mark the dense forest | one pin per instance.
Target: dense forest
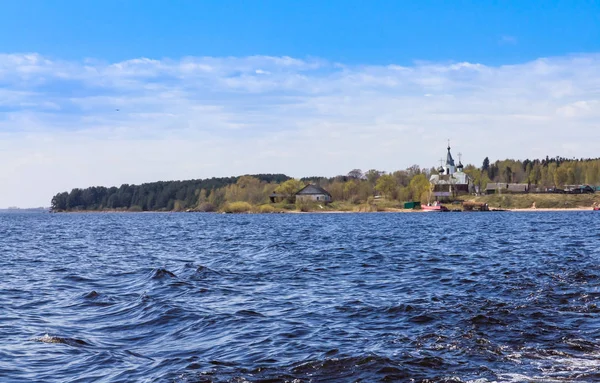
(356, 187)
(155, 196)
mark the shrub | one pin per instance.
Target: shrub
(206, 207)
(266, 209)
(237, 207)
(307, 206)
(366, 208)
(136, 208)
(341, 206)
(353, 199)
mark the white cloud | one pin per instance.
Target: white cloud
(200, 117)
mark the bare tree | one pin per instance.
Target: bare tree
(356, 174)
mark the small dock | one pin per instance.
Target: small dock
(475, 206)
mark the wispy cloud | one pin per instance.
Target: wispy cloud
(66, 124)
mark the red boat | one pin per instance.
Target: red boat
(436, 206)
(597, 208)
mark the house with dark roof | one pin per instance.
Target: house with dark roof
(313, 193)
(277, 197)
(579, 189)
(518, 188)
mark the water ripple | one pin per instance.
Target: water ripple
(503, 297)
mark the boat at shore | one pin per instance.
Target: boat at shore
(436, 206)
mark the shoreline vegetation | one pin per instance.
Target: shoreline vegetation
(371, 191)
(517, 202)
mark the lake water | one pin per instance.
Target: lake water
(436, 297)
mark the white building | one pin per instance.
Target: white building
(451, 180)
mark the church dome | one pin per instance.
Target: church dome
(449, 159)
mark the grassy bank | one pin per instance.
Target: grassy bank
(542, 201)
(314, 207)
(504, 201)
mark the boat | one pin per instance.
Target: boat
(436, 206)
(596, 208)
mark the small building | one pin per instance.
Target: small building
(493, 188)
(313, 193)
(275, 197)
(579, 189)
(475, 206)
(518, 188)
(500, 187)
(412, 205)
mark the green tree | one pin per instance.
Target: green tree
(535, 176)
(373, 175)
(561, 176)
(289, 189)
(483, 181)
(386, 184)
(419, 188)
(201, 197)
(591, 172)
(402, 177)
(550, 175)
(571, 176)
(248, 181)
(336, 189)
(74, 200)
(507, 173)
(350, 190)
(486, 164)
(528, 170)
(59, 201)
(413, 171)
(178, 205)
(216, 198)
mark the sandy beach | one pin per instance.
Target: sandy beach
(555, 209)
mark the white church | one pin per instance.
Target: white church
(450, 180)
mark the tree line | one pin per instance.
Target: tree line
(356, 187)
(555, 172)
(154, 196)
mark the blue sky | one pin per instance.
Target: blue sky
(374, 32)
(111, 92)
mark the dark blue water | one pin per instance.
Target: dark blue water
(481, 297)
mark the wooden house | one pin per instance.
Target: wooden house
(313, 193)
(500, 187)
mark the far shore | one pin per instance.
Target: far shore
(492, 210)
(388, 210)
(554, 209)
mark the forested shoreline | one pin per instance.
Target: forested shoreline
(153, 196)
(251, 192)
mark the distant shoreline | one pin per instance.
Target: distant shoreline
(32, 210)
(402, 211)
(495, 202)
